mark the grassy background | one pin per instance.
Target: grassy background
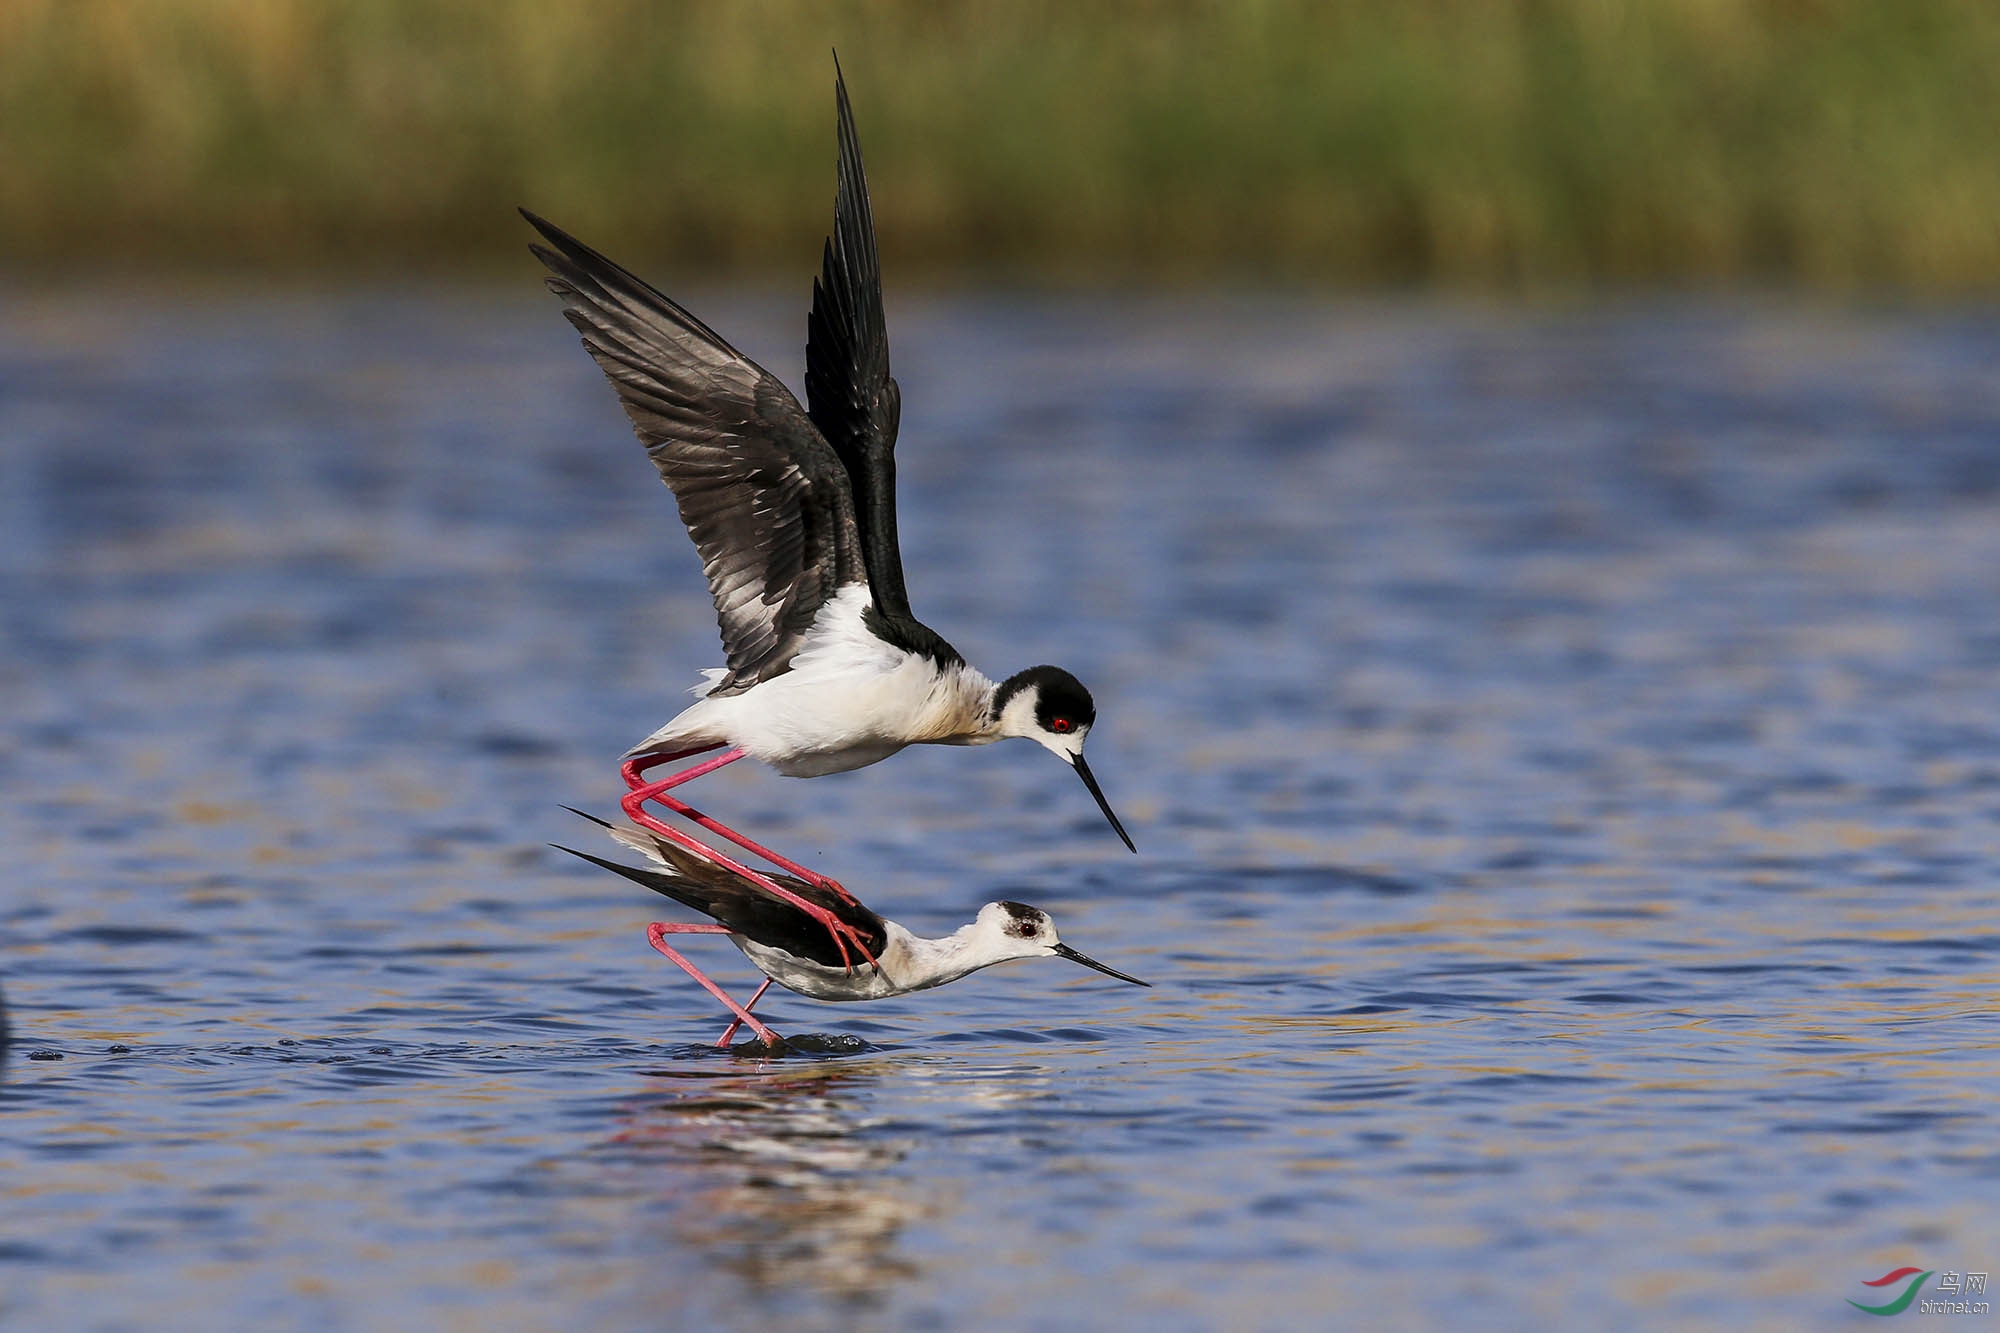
(1829, 143)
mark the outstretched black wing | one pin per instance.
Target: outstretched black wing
(747, 910)
(853, 399)
(765, 499)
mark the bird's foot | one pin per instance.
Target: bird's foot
(832, 886)
(764, 1034)
(848, 940)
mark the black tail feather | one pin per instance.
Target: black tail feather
(684, 864)
(724, 896)
(660, 882)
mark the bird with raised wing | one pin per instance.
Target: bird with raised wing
(789, 946)
(793, 512)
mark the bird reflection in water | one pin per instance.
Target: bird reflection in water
(793, 1189)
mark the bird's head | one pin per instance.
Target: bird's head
(1016, 930)
(1050, 707)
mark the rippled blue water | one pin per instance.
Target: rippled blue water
(1563, 749)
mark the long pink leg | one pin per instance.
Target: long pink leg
(748, 1005)
(843, 934)
(643, 791)
(655, 934)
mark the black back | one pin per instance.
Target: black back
(749, 911)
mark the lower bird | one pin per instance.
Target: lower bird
(792, 948)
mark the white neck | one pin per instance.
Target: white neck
(933, 962)
(966, 707)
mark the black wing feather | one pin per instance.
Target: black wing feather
(747, 910)
(765, 499)
(852, 397)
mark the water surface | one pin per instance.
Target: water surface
(1562, 747)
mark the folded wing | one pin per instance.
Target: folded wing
(743, 907)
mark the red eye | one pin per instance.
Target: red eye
(1059, 725)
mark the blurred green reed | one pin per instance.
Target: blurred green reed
(1834, 143)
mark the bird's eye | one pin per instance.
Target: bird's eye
(1060, 725)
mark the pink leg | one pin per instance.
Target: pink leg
(643, 791)
(845, 937)
(736, 1023)
(655, 934)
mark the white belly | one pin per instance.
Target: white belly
(850, 700)
(818, 763)
(817, 982)
(898, 971)
(811, 721)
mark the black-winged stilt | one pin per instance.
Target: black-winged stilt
(790, 947)
(794, 514)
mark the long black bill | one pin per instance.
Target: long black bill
(1083, 771)
(1064, 951)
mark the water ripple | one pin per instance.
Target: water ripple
(1559, 743)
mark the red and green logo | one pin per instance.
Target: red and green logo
(1902, 1302)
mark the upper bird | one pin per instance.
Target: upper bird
(794, 514)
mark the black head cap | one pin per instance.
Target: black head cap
(1023, 921)
(1057, 695)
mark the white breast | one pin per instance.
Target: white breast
(848, 701)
